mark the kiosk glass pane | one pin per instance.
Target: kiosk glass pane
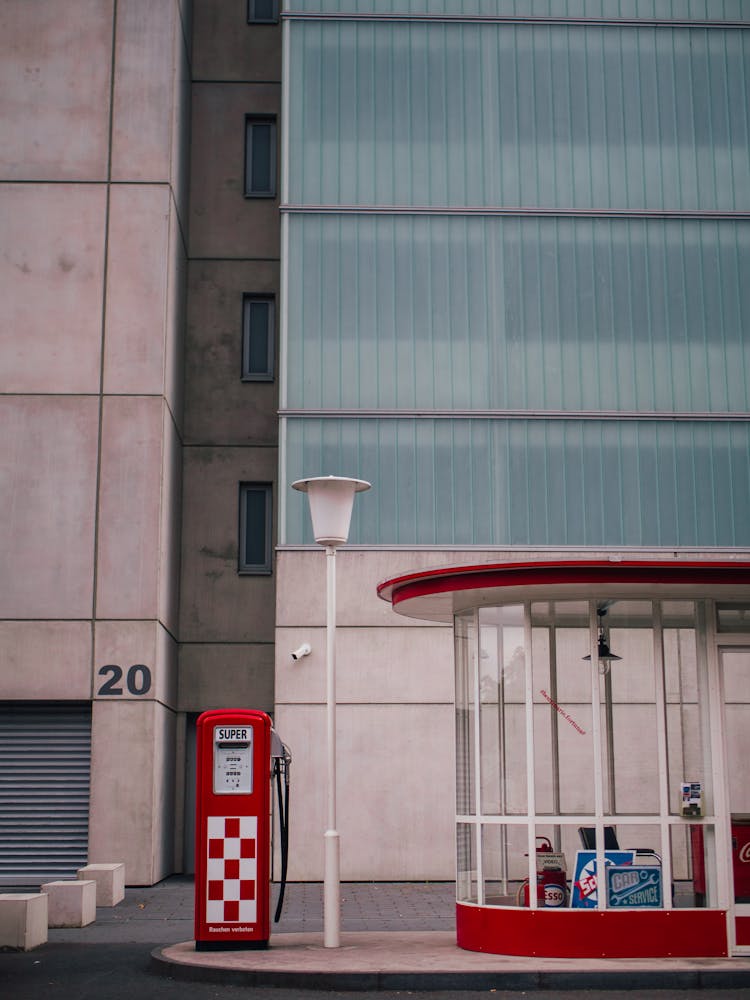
(733, 617)
(564, 768)
(694, 857)
(735, 667)
(502, 687)
(627, 695)
(685, 701)
(505, 863)
(466, 863)
(639, 884)
(688, 866)
(465, 658)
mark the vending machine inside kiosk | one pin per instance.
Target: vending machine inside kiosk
(238, 757)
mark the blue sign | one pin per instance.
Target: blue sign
(634, 885)
(584, 893)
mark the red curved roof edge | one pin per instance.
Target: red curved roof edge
(455, 578)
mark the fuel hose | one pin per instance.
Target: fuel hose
(282, 763)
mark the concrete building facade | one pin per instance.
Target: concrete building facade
(489, 258)
(93, 184)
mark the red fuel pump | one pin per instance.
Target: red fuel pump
(551, 877)
(238, 755)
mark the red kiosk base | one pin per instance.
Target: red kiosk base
(592, 933)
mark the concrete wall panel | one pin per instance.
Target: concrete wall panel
(45, 660)
(373, 665)
(122, 778)
(51, 285)
(147, 60)
(129, 509)
(55, 89)
(217, 604)
(220, 407)
(137, 289)
(395, 718)
(131, 770)
(396, 790)
(123, 644)
(47, 495)
(128, 644)
(358, 574)
(224, 675)
(223, 223)
(227, 48)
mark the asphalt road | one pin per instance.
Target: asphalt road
(65, 971)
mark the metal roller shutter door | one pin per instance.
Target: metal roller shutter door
(45, 767)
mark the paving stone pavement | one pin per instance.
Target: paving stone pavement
(164, 913)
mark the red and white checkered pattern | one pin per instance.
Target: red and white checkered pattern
(232, 869)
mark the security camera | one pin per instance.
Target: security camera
(304, 650)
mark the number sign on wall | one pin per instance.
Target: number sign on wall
(136, 680)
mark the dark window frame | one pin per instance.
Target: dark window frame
(267, 374)
(251, 188)
(244, 566)
(253, 18)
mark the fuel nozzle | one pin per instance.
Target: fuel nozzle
(280, 756)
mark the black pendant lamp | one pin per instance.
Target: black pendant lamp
(604, 654)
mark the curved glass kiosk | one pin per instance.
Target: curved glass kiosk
(602, 734)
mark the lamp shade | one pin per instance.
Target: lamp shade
(331, 501)
(603, 651)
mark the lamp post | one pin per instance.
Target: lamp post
(331, 500)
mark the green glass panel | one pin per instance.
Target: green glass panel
(529, 483)
(518, 115)
(404, 312)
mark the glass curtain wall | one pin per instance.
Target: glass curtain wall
(564, 747)
(515, 240)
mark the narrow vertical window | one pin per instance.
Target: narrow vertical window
(262, 11)
(260, 157)
(255, 528)
(258, 325)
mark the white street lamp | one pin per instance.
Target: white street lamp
(331, 500)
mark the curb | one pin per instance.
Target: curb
(515, 980)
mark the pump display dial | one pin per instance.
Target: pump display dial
(233, 760)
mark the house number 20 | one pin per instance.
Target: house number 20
(137, 679)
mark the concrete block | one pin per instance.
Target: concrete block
(71, 903)
(110, 882)
(23, 920)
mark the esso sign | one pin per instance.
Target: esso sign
(554, 895)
